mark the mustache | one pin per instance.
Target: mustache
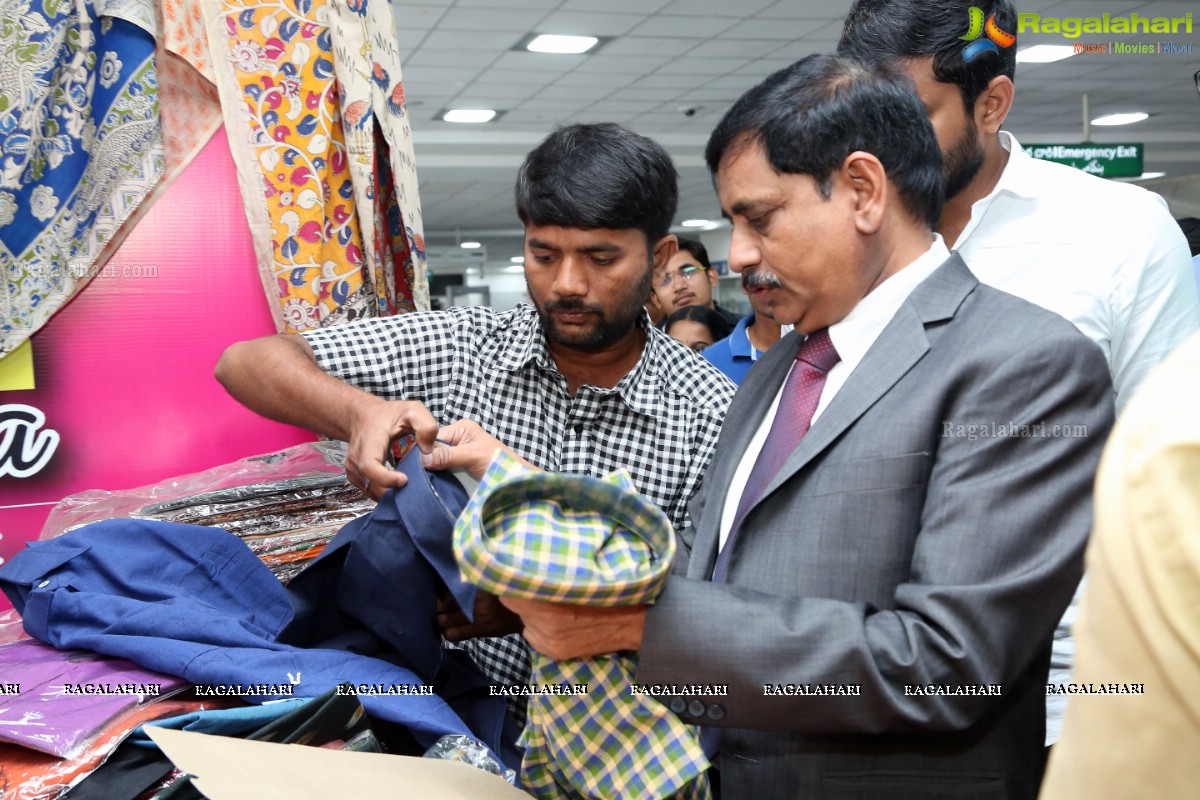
(573, 305)
(760, 280)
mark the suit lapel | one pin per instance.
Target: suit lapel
(749, 407)
(899, 347)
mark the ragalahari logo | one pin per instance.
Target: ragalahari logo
(977, 28)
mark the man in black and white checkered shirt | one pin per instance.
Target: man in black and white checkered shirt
(577, 381)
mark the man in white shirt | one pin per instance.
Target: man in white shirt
(885, 538)
(1107, 256)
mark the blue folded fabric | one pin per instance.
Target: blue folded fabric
(218, 721)
(195, 602)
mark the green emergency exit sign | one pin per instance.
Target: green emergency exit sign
(1105, 160)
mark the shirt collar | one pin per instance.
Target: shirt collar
(528, 347)
(640, 386)
(1016, 179)
(853, 336)
(739, 340)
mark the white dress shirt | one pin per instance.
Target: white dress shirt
(852, 337)
(1105, 255)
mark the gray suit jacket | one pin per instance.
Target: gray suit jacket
(913, 540)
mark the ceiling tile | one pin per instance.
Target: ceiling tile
(613, 80)
(552, 64)
(620, 105)
(502, 93)
(658, 96)
(684, 27)
(617, 6)
(716, 8)
(790, 9)
(495, 74)
(486, 19)
(416, 74)
(696, 67)
(421, 17)
(660, 81)
(734, 48)
(763, 67)
(794, 51)
(647, 45)
(546, 5)
(773, 29)
(567, 93)
(624, 65)
(449, 58)
(471, 41)
(582, 23)
(407, 41)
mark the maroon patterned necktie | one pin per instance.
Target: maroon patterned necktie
(801, 393)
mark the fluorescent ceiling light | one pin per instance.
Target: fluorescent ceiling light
(1044, 53)
(553, 43)
(514, 268)
(694, 223)
(1121, 119)
(470, 245)
(471, 115)
(517, 259)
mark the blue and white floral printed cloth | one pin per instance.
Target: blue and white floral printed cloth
(80, 145)
(586, 541)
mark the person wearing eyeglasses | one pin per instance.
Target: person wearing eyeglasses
(688, 280)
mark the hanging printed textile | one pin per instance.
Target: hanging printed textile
(80, 145)
(313, 100)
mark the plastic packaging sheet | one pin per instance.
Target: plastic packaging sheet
(285, 505)
(456, 747)
(58, 705)
(11, 627)
(296, 476)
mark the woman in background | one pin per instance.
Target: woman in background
(697, 327)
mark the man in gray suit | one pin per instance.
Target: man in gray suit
(878, 607)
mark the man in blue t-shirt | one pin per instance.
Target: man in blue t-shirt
(736, 353)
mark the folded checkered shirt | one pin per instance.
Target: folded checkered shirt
(585, 541)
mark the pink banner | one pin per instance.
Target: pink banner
(125, 395)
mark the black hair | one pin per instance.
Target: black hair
(1191, 229)
(810, 116)
(598, 176)
(717, 325)
(697, 251)
(891, 31)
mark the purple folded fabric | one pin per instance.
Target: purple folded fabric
(53, 701)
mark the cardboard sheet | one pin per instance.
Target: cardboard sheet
(239, 769)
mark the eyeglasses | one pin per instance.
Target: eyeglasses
(685, 273)
(1196, 78)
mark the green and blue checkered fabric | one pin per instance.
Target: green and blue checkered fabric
(584, 541)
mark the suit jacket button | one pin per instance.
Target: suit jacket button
(696, 708)
(716, 712)
(677, 705)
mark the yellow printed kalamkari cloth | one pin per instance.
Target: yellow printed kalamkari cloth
(314, 104)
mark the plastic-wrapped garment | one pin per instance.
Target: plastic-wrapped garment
(27, 775)
(272, 478)
(58, 707)
(285, 505)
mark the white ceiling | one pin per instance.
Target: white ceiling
(664, 55)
